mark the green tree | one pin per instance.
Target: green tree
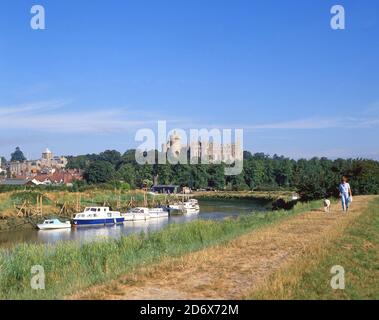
(216, 177)
(111, 156)
(164, 174)
(127, 173)
(99, 172)
(79, 162)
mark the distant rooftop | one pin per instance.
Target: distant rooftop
(14, 182)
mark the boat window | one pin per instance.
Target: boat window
(98, 209)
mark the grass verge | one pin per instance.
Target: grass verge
(70, 266)
(355, 249)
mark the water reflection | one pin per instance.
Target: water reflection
(210, 210)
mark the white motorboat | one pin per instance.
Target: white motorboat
(158, 213)
(51, 224)
(137, 214)
(191, 207)
(97, 216)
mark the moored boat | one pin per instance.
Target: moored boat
(191, 207)
(52, 224)
(158, 213)
(97, 216)
(137, 214)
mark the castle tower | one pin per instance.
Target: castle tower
(175, 144)
(47, 155)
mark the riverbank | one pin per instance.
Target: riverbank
(245, 195)
(272, 200)
(70, 267)
(21, 209)
(241, 267)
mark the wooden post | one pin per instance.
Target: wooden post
(78, 202)
(41, 205)
(118, 205)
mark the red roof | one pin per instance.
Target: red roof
(59, 177)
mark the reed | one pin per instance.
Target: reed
(71, 266)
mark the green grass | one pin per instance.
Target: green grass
(357, 251)
(70, 266)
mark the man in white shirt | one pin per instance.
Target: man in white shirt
(345, 194)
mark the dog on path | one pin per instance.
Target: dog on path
(326, 205)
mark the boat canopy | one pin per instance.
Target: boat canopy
(96, 209)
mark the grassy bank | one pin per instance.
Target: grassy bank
(356, 250)
(245, 195)
(70, 266)
(16, 207)
(63, 204)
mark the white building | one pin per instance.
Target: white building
(48, 163)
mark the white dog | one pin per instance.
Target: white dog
(326, 205)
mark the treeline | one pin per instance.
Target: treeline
(313, 179)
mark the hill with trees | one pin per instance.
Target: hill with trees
(313, 178)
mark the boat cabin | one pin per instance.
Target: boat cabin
(52, 221)
(96, 209)
(97, 212)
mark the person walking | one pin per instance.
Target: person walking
(345, 194)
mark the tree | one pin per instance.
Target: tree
(18, 155)
(99, 172)
(79, 162)
(313, 179)
(127, 173)
(164, 173)
(111, 156)
(216, 177)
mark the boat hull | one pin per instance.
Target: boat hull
(159, 215)
(101, 221)
(47, 227)
(136, 217)
(191, 211)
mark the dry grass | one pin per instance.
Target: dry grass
(235, 269)
(294, 279)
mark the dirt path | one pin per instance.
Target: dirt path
(230, 271)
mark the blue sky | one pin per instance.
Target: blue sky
(104, 69)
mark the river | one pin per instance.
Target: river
(209, 210)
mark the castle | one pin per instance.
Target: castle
(211, 151)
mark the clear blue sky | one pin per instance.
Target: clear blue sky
(103, 69)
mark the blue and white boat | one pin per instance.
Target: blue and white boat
(97, 216)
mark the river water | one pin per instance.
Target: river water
(209, 210)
